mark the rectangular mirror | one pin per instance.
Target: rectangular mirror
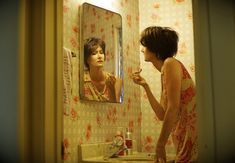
(101, 58)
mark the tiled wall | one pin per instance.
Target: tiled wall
(176, 14)
(85, 122)
(97, 122)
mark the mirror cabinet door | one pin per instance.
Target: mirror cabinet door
(101, 58)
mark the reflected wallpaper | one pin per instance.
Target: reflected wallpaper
(89, 122)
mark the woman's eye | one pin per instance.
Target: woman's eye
(95, 53)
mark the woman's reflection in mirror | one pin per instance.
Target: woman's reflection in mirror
(99, 85)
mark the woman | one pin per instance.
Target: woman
(177, 106)
(98, 84)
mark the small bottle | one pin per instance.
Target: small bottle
(128, 142)
(120, 136)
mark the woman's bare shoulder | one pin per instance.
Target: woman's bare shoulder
(171, 63)
(171, 60)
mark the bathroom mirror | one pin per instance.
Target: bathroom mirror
(101, 69)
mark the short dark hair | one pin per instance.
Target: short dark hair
(162, 41)
(90, 45)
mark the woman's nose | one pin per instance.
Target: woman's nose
(100, 55)
(142, 49)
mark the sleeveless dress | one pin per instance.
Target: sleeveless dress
(184, 133)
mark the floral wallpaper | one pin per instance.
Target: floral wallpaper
(90, 122)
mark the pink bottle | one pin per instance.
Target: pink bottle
(129, 142)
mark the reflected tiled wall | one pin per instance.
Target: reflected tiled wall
(97, 122)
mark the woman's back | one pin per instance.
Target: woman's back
(184, 133)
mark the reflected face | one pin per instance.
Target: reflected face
(96, 59)
(148, 55)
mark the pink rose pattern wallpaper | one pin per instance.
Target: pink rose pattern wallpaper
(89, 122)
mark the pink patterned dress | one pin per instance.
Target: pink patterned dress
(184, 133)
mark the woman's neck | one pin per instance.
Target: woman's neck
(157, 63)
(97, 74)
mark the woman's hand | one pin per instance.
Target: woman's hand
(110, 81)
(160, 154)
(137, 78)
